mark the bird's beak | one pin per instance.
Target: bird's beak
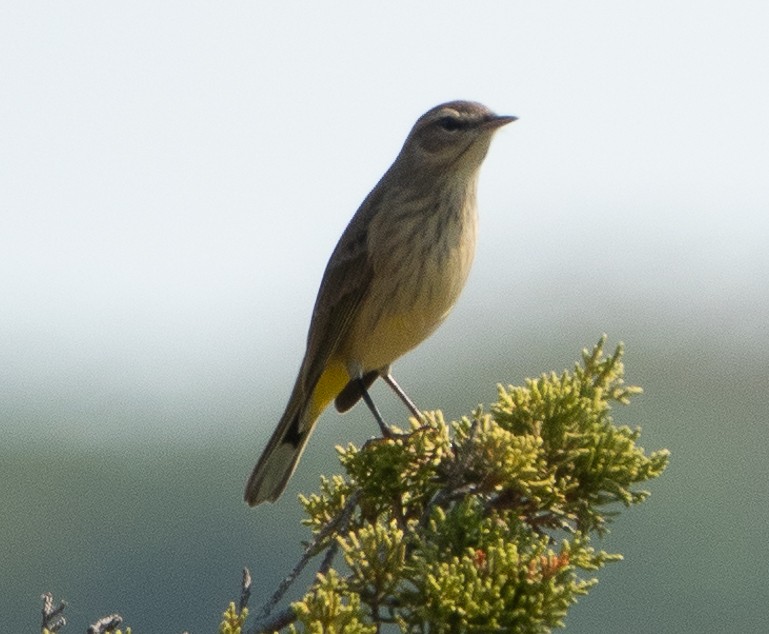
(497, 121)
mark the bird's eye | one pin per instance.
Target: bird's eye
(450, 124)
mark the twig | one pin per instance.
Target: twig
(453, 481)
(106, 624)
(278, 621)
(245, 590)
(337, 524)
(329, 558)
(53, 621)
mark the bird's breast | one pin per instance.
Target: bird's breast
(421, 257)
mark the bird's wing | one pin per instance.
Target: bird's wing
(345, 283)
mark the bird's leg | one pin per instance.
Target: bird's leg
(386, 431)
(390, 380)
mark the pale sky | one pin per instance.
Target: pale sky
(174, 176)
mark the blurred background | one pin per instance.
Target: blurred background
(173, 178)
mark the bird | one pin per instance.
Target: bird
(391, 280)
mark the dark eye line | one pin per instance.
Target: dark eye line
(451, 124)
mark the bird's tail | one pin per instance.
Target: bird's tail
(279, 459)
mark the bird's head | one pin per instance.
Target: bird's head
(453, 135)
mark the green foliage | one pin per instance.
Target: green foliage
(590, 461)
(479, 525)
(331, 608)
(484, 524)
(233, 620)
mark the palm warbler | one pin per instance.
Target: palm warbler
(392, 279)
